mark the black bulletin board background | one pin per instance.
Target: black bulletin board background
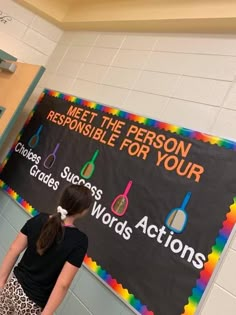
(157, 276)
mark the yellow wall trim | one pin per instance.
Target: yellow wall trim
(139, 15)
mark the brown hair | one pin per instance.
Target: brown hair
(75, 199)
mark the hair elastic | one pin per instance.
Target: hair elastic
(63, 212)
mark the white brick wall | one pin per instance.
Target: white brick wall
(28, 37)
(188, 80)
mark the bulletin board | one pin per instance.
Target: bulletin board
(164, 200)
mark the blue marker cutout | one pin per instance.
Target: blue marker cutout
(177, 218)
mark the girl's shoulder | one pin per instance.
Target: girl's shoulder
(39, 218)
(34, 224)
(76, 235)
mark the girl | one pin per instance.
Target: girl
(55, 250)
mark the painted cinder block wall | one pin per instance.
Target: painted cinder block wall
(182, 79)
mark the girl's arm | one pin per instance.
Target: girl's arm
(19, 244)
(60, 289)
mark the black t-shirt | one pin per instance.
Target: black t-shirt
(38, 274)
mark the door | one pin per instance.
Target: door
(15, 90)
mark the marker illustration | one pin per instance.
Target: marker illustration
(120, 203)
(89, 167)
(34, 140)
(177, 218)
(49, 161)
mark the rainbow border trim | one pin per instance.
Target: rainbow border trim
(27, 207)
(221, 239)
(213, 258)
(117, 287)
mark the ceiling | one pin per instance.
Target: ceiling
(202, 16)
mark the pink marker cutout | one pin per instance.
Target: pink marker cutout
(120, 203)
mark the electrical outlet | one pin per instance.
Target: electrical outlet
(7, 66)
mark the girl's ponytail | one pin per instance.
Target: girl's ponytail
(50, 232)
(75, 199)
